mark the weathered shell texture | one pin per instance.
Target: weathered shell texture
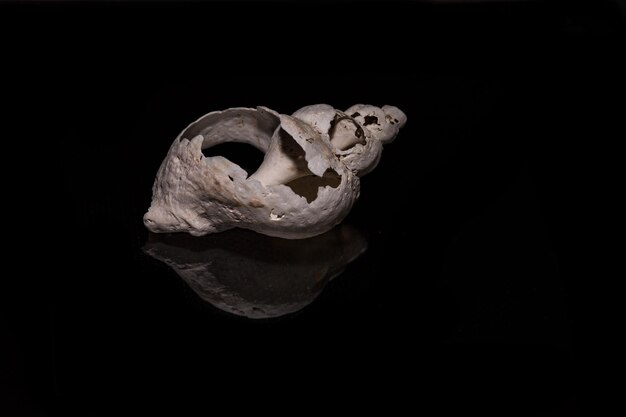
(306, 184)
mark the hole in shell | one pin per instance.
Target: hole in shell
(246, 156)
(345, 132)
(370, 120)
(309, 187)
(275, 217)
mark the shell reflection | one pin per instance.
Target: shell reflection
(256, 276)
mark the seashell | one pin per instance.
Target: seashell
(307, 183)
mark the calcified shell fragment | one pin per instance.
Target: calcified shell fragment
(307, 183)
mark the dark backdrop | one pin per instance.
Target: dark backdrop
(464, 298)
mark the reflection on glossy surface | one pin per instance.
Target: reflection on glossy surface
(256, 276)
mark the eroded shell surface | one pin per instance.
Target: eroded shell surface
(307, 183)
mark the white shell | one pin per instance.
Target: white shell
(319, 152)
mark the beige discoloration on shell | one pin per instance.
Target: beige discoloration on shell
(202, 195)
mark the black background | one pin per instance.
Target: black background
(464, 299)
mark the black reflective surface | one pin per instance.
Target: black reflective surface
(256, 276)
(462, 301)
